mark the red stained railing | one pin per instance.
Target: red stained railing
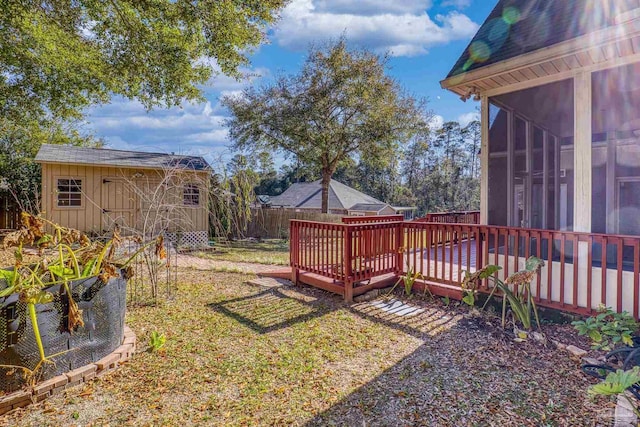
(467, 217)
(9, 214)
(582, 270)
(371, 219)
(319, 248)
(346, 253)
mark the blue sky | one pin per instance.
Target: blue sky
(424, 37)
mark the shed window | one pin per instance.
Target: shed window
(191, 195)
(69, 192)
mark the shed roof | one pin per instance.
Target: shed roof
(50, 153)
(517, 27)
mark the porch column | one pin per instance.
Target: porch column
(582, 181)
(582, 153)
(484, 160)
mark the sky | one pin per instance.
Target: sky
(423, 37)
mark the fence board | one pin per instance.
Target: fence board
(274, 223)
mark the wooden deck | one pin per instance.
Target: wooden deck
(581, 271)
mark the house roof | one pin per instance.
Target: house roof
(369, 207)
(517, 27)
(128, 159)
(309, 196)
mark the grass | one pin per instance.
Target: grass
(272, 252)
(237, 354)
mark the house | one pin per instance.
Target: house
(92, 189)
(559, 87)
(343, 200)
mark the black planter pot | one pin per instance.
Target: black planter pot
(103, 307)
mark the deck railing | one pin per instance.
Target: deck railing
(466, 217)
(582, 270)
(371, 219)
(346, 253)
(9, 214)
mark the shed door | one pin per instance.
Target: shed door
(118, 204)
(153, 205)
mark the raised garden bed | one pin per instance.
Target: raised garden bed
(103, 308)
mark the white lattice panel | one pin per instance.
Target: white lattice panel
(189, 239)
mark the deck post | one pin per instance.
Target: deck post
(347, 267)
(400, 249)
(348, 290)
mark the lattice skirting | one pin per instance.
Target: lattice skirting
(189, 239)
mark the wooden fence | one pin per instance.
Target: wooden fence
(9, 214)
(581, 271)
(274, 223)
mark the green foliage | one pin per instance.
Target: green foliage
(471, 282)
(340, 104)
(157, 341)
(442, 174)
(408, 280)
(515, 290)
(608, 328)
(469, 298)
(617, 383)
(59, 57)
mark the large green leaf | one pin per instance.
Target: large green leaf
(595, 335)
(489, 271)
(533, 263)
(61, 272)
(616, 382)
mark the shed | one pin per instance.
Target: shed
(92, 189)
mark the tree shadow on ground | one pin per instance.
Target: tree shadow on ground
(273, 309)
(466, 371)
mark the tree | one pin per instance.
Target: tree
(59, 57)
(340, 104)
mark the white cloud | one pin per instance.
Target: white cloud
(222, 82)
(436, 122)
(370, 7)
(458, 4)
(192, 129)
(403, 29)
(467, 118)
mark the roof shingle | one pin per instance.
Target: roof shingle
(50, 153)
(309, 196)
(516, 27)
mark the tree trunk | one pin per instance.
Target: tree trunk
(326, 180)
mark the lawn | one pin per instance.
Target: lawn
(238, 354)
(271, 252)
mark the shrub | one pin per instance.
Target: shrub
(608, 329)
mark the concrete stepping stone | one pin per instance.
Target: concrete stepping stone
(398, 308)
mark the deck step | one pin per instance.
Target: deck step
(269, 282)
(440, 289)
(281, 273)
